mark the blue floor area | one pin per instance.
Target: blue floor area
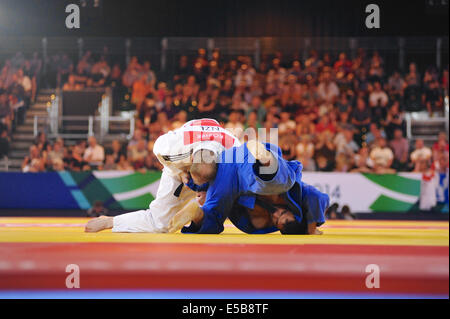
(199, 294)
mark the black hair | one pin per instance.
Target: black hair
(295, 228)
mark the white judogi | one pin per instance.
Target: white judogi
(174, 150)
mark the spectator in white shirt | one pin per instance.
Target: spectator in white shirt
(378, 97)
(328, 89)
(382, 157)
(421, 152)
(94, 154)
(286, 125)
(234, 125)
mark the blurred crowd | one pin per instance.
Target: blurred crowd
(90, 155)
(19, 77)
(332, 113)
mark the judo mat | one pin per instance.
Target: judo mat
(411, 259)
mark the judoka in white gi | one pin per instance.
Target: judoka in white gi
(174, 150)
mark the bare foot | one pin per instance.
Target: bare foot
(98, 224)
(259, 152)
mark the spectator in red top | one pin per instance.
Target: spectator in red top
(325, 125)
(343, 63)
(441, 145)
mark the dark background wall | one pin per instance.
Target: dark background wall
(225, 17)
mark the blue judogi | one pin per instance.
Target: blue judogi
(238, 181)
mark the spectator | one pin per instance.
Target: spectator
(327, 89)
(432, 98)
(41, 141)
(179, 120)
(324, 153)
(325, 124)
(116, 150)
(34, 162)
(253, 123)
(396, 85)
(57, 153)
(413, 77)
(6, 113)
(132, 73)
(97, 210)
(343, 104)
(287, 147)
(345, 144)
(420, 153)
(382, 158)
(141, 88)
(361, 118)
(400, 146)
(362, 161)
(4, 143)
(442, 171)
(305, 153)
(331, 213)
(428, 186)
(346, 213)
(286, 125)
(234, 125)
(71, 84)
(94, 155)
(182, 71)
(256, 105)
(124, 164)
(343, 63)
(138, 153)
(378, 101)
(394, 120)
(374, 133)
(110, 161)
(441, 145)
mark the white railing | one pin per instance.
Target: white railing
(411, 117)
(96, 125)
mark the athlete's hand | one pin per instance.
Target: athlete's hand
(259, 152)
(185, 177)
(318, 232)
(201, 197)
(313, 230)
(98, 224)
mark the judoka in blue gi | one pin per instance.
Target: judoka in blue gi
(258, 190)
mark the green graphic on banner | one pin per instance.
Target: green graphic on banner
(400, 193)
(396, 183)
(388, 204)
(116, 189)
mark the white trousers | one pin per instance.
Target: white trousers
(156, 218)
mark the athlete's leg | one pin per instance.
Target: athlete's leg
(315, 203)
(156, 219)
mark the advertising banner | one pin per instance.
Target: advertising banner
(129, 190)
